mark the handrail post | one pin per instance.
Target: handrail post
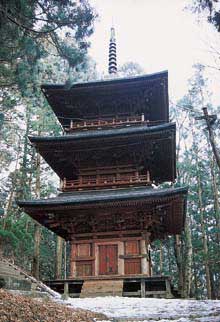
(148, 176)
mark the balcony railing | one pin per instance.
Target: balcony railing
(100, 123)
(105, 182)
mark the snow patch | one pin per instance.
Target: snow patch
(150, 309)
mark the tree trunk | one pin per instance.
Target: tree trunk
(24, 168)
(8, 207)
(179, 262)
(161, 258)
(216, 201)
(204, 236)
(211, 136)
(36, 257)
(196, 289)
(188, 260)
(213, 288)
(37, 233)
(59, 256)
(169, 256)
(12, 191)
(29, 182)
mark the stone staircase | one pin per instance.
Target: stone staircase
(15, 279)
(96, 288)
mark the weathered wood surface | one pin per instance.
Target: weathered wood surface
(102, 288)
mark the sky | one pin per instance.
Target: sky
(159, 35)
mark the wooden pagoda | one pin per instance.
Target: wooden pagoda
(118, 146)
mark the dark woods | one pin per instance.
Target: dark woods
(46, 42)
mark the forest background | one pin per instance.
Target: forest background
(46, 41)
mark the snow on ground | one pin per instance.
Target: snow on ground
(151, 310)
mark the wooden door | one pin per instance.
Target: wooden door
(108, 259)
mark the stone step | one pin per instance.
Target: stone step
(14, 283)
(102, 288)
(15, 278)
(18, 277)
(9, 271)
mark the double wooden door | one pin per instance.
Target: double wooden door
(108, 259)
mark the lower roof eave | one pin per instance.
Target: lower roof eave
(61, 213)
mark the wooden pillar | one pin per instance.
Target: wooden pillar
(92, 253)
(96, 254)
(121, 251)
(144, 260)
(143, 289)
(73, 250)
(66, 291)
(151, 272)
(168, 289)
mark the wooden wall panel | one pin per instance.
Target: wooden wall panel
(132, 247)
(83, 268)
(133, 266)
(73, 252)
(83, 250)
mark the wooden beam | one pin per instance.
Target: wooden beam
(97, 240)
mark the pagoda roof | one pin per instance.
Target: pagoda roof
(93, 134)
(80, 198)
(60, 214)
(155, 145)
(106, 82)
(147, 94)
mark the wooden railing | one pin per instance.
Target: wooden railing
(101, 182)
(114, 122)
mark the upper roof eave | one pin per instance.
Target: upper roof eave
(97, 83)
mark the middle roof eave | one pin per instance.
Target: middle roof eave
(66, 154)
(93, 134)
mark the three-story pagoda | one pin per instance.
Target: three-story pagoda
(118, 147)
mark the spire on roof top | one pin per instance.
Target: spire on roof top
(112, 64)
